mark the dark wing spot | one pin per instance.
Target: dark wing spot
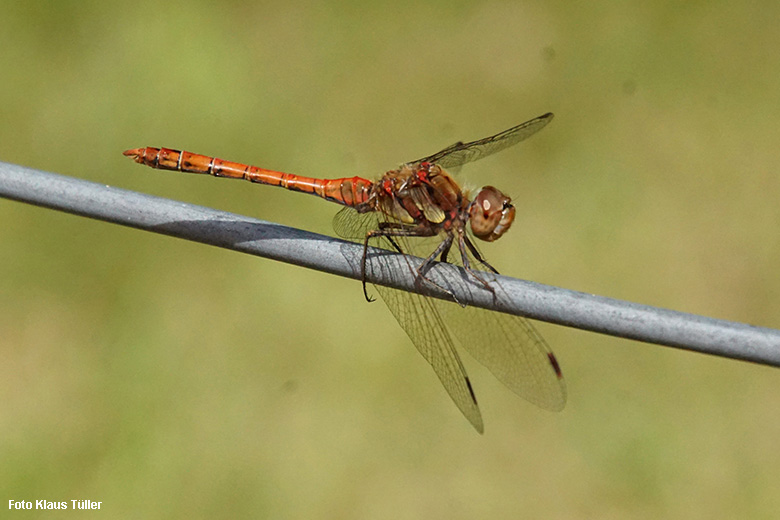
(471, 390)
(555, 365)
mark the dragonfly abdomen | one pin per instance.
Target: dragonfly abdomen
(350, 191)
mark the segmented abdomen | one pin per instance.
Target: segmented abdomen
(349, 191)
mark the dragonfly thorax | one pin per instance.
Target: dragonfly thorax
(491, 213)
(420, 194)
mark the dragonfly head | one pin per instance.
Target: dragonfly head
(490, 214)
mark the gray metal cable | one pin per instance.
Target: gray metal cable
(328, 254)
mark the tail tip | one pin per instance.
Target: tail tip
(136, 154)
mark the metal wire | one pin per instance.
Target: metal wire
(328, 254)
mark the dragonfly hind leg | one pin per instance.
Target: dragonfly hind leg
(387, 230)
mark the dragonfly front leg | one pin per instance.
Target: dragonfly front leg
(463, 244)
(474, 251)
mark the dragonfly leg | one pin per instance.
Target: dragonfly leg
(389, 230)
(477, 254)
(393, 243)
(446, 252)
(463, 244)
(441, 250)
(369, 235)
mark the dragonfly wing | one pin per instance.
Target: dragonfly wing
(461, 153)
(511, 348)
(351, 225)
(417, 315)
(421, 321)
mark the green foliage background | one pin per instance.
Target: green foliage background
(168, 379)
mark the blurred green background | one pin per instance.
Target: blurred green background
(165, 378)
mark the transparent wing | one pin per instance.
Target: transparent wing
(417, 315)
(421, 321)
(351, 225)
(461, 153)
(512, 349)
(509, 346)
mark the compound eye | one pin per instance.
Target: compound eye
(490, 214)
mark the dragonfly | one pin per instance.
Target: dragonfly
(420, 209)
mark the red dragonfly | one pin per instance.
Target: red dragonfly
(417, 200)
